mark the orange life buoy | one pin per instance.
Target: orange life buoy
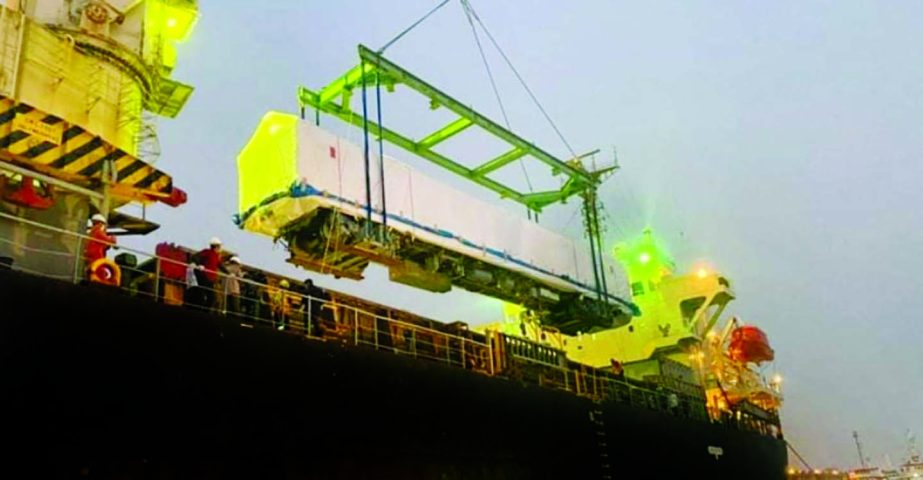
(106, 272)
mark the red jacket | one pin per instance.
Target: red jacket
(99, 245)
(210, 259)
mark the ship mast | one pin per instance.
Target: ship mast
(855, 435)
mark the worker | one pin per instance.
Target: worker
(209, 261)
(254, 297)
(315, 319)
(193, 295)
(285, 303)
(617, 369)
(100, 240)
(279, 305)
(232, 285)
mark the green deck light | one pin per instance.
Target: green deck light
(644, 258)
(170, 21)
(167, 23)
(179, 18)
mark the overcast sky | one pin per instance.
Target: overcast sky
(779, 141)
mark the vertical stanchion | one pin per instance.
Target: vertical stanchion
(490, 353)
(448, 348)
(157, 279)
(309, 317)
(77, 257)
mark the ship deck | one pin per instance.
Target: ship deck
(118, 386)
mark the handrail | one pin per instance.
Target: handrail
(440, 339)
(473, 352)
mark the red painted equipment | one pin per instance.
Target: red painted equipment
(27, 196)
(172, 261)
(749, 344)
(177, 197)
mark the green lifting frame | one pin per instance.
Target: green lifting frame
(374, 69)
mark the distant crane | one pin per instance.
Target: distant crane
(855, 435)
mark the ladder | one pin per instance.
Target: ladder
(11, 25)
(602, 443)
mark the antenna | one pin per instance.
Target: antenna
(855, 435)
(912, 454)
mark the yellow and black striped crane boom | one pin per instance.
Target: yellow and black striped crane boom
(48, 144)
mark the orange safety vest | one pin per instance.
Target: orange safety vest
(99, 243)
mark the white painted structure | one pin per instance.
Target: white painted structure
(328, 172)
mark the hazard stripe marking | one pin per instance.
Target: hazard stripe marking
(134, 167)
(76, 154)
(79, 152)
(71, 133)
(98, 165)
(149, 180)
(9, 115)
(12, 138)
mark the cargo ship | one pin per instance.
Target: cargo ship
(161, 365)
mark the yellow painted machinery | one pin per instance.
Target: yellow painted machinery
(679, 340)
(77, 81)
(80, 84)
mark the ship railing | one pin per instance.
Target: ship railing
(53, 252)
(600, 385)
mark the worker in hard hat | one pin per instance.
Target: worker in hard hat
(317, 319)
(209, 261)
(100, 241)
(232, 284)
(284, 303)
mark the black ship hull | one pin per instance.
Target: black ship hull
(97, 384)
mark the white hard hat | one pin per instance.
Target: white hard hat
(235, 259)
(214, 241)
(98, 218)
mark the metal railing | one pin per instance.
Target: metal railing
(256, 304)
(341, 320)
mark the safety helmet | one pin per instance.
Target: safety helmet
(98, 217)
(235, 259)
(214, 241)
(284, 284)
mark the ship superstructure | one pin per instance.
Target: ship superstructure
(911, 468)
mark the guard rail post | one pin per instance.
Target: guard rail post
(77, 256)
(156, 278)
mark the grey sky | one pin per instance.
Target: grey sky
(780, 141)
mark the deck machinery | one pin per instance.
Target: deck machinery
(681, 338)
(80, 83)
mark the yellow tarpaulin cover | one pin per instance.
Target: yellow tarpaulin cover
(267, 165)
